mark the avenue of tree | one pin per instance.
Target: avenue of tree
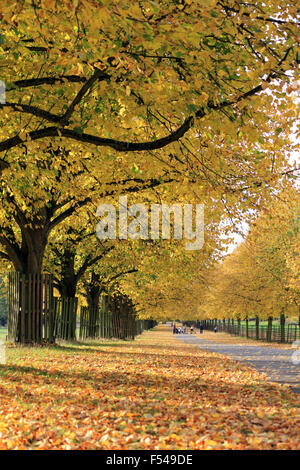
(168, 101)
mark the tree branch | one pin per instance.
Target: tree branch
(123, 146)
(4, 256)
(98, 74)
(67, 213)
(120, 146)
(32, 82)
(33, 110)
(149, 184)
(90, 262)
(134, 270)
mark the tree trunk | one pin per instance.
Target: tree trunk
(68, 279)
(269, 329)
(94, 313)
(282, 328)
(257, 327)
(27, 258)
(28, 262)
(93, 291)
(67, 286)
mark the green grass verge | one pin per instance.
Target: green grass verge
(3, 333)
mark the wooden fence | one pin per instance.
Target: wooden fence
(100, 323)
(113, 319)
(30, 312)
(35, 316)
(89, 322)
(142, 325)
(65, 310)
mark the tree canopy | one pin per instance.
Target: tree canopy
(137, 77)
(259, 278)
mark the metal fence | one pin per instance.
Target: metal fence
(276, 333)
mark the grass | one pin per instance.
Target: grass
(226, 338)
(3, 333)
(265, 322)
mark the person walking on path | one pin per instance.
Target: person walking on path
(192, 329)
(201, 329)
(215, 329)
(174, 329)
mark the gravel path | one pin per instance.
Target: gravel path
(275, 362)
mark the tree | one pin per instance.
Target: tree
(117, 97)
(109, 86)
(112, 87)
(41, 195)
(257, 279)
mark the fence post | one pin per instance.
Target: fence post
(269, 329)
(30, 308)
(239, 326)
(256, 327)
(282, 328)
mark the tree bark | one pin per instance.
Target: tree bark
(257, 327)
(282, 328)
(27, 261)
(93, 292)
(239, 326)
(269, 329)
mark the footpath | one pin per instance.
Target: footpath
(276, 362)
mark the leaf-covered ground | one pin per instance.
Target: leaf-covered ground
(153, 393)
